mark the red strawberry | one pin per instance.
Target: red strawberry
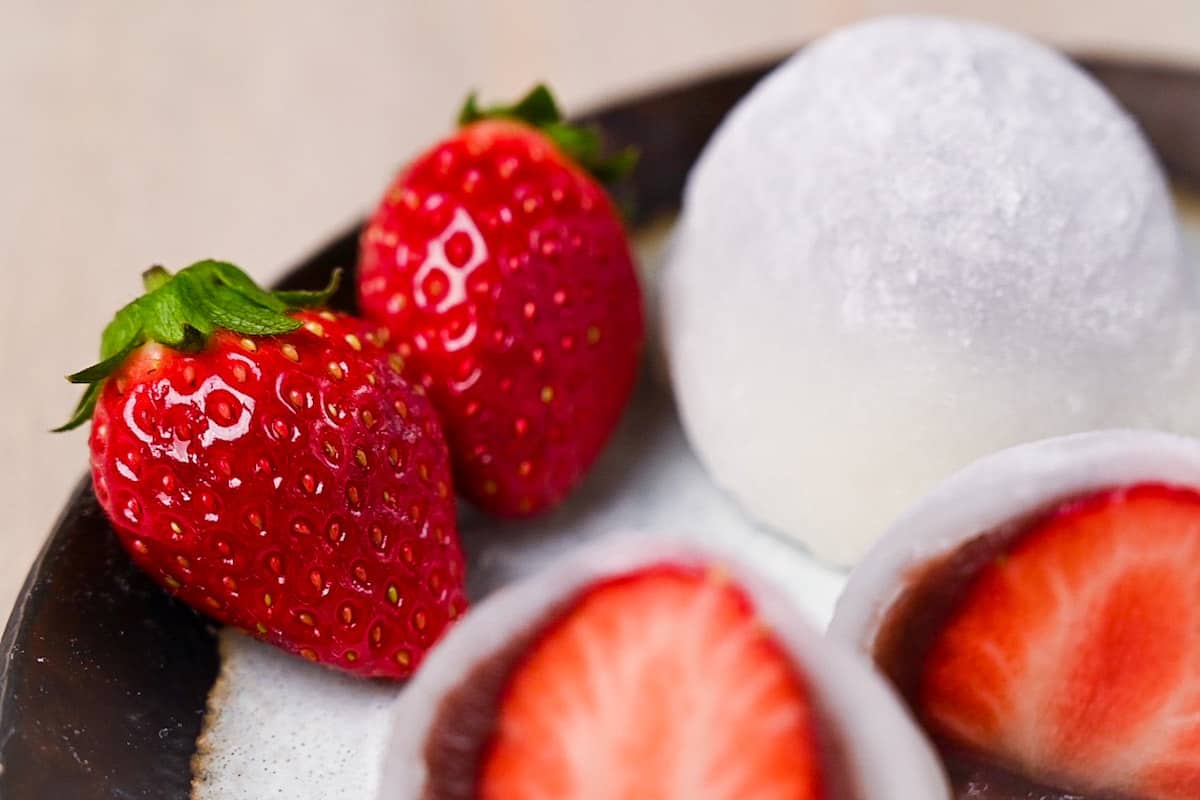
(657, 685)
(504, 275)
(1075, 659)
(272, 469)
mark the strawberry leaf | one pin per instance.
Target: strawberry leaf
(83, 410)
(228, 309)
(182, 311)
(101, 370)
(583, 144)
(123, 333)
(300, 298)
(537, 108)
(227, 274)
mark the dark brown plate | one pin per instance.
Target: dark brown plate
(105, 677)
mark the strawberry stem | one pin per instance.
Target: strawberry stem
(182, 311)
(155, 277)
(582, 144)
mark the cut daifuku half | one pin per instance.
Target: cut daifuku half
(1040, 613)
(657, 671)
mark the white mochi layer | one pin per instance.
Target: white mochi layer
(916, 242)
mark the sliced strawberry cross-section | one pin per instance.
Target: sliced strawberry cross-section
(1073, 658)
(661, 684)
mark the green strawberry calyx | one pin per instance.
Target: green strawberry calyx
(584, 144)
(182, 310)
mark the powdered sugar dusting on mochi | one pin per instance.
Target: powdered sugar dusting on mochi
(916, 242)
(957, 162)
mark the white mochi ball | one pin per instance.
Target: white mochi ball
(916, 242)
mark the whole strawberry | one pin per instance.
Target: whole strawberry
(271, 467)
(503, 272)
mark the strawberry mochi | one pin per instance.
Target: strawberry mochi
(649, 667)
(916, 242)
(1040, 614)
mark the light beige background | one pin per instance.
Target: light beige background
(146, 132)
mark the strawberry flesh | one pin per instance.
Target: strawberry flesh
(659, 685)
(1072, 656)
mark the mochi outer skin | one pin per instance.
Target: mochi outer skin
(916, 242)
(998, 489)
(884, 748)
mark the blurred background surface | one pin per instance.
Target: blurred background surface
(164, 132)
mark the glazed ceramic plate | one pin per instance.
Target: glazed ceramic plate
(105, 679)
